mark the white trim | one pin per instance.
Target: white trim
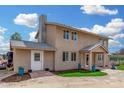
(98, 46)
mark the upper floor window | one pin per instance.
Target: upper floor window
(74, 36)
(66, 34)
(65, 56)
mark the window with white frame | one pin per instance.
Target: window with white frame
(36, 56)
(65, 56)
(74, 36)
(100, 57)
(66, 35)
(73, 56)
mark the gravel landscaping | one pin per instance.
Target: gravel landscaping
(16, 78)
(5, 73)
(114, 79)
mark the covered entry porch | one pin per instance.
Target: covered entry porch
(97, 56)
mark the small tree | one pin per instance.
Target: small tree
(16, 36)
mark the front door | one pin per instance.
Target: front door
(99, 59)
(86, 60)
(36, 60)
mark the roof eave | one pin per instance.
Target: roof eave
(20, 47)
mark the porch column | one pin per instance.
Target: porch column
(104, 59)
(42, 57)
(90, 61)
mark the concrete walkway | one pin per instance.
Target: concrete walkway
(39, 73)
(115, 78)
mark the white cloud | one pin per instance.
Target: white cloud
(116, 23)
(29, 20)
(118, 36)
(98, 9)
(114, 43)
(32, 36)
(4, 45)
(2, 30)
(112, 28)
(85, 29)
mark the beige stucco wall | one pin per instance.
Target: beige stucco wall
(22, 58)
(49, 60)
(83, 40)
(71, 46)
(51, 34)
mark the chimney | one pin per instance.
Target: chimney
(42, 28)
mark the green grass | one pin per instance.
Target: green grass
(80, 73)
(120, 67)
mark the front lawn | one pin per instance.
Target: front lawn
(120, 67)
(80, 73)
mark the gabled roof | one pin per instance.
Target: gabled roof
(30, 45)
(91, 47)
(74, 28)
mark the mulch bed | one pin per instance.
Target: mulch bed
(16, 78)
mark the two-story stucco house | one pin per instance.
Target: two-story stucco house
(60, 47)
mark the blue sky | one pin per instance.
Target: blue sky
(106, 20)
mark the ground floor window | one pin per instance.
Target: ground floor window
(73, 56)
(65, 56)
(69, 56)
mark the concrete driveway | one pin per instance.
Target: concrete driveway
(115, 78)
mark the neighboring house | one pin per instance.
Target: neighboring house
(60, 47)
